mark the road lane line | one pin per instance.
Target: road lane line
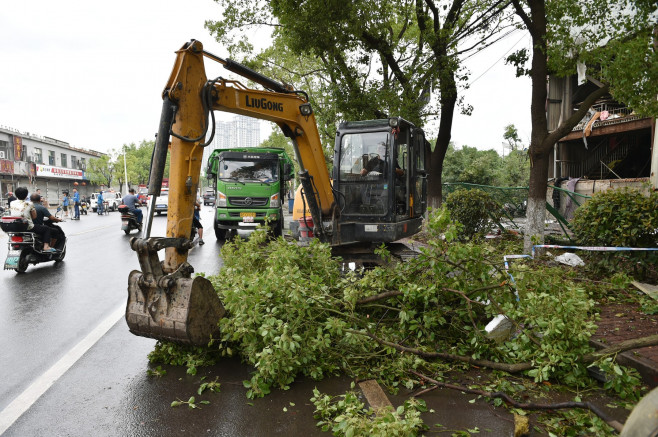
(25, 400)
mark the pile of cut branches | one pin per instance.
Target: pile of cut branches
(297, 311)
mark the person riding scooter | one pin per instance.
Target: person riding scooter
(42, 213)
(133, 203)
(21, 208)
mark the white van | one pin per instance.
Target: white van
(113, 199)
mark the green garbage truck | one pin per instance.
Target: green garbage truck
(250, 188)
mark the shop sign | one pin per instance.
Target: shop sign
(6, 166)
(18, 148)
(59, 172)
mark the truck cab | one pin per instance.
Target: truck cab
(250, 187)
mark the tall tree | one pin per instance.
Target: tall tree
(614, 36)
(101, 170)
(376, 57)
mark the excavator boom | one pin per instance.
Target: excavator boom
(163, 302)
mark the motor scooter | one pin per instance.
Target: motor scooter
(83, 207)
(128, 220)
(25, 247)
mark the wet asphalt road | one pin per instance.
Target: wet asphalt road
(45, 312)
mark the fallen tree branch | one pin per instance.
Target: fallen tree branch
(526, 405)
(509, 368)
(626, 345)
(651, 340)
(394, 293)
(379, 296)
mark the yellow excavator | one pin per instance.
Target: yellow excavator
(375, 194)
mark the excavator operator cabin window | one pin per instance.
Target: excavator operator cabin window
(359, 151)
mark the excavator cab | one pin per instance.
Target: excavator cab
(380, 177)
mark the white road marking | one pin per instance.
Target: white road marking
(25, 400)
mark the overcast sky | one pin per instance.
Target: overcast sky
(92, 74)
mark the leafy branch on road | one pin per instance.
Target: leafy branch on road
(296, 311)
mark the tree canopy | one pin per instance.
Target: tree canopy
(370, 59)
(110, 168)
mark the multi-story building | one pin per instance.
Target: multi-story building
(42, 163)
(239, 132)
(611, 147)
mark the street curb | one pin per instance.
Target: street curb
(647, 369)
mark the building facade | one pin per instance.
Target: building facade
(611, 147)
(42, 163)
(239, 132)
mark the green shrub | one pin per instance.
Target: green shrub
(475, 210)
(620, 218)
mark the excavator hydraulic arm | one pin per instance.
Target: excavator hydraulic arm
(163, 301)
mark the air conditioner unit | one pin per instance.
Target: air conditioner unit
(2, 154)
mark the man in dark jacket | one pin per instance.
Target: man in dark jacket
(43, 213)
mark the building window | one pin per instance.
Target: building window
(38, 155)
(64, 163)
(6, 152)
(74, 162)
(83, 164)
(51, 157)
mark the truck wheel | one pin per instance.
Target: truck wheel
(277, 228)
(220, 234)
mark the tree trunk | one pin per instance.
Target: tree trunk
(536, 209)
(448, 102)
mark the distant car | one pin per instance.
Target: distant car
(143, 195)
(112, 198)
(209, 197)
(162, 201)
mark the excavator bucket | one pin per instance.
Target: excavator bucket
(171, 307)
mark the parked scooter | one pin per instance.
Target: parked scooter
(84, 206)
(128, 220)
(25, 247)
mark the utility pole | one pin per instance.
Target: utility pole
(125, 170)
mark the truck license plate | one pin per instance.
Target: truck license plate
(248, 217)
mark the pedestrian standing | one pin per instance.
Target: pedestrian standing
(196, 220)
(44, 201)
(65, 203)
(10, 198)
(76, 204)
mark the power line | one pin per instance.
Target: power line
(497, 61)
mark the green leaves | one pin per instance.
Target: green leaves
(622, 218)
(213, 386)
(345, 415)
(475, 210)
(191, 403)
